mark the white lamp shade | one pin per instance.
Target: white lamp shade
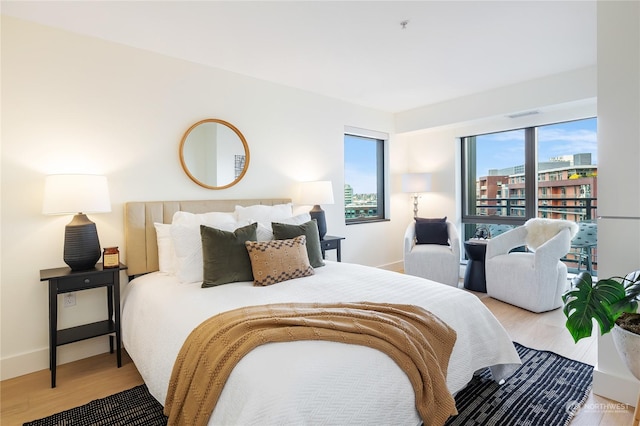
(416, 182)
(71, 194)
(316, 192)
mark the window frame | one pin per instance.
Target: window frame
(530, 175)
(466, 183)
(382, 174)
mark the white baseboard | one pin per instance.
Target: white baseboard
(617, 388)
(37, 360)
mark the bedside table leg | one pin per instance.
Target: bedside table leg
(119, 353)
(110, 313)
(53, 330)
(116, 314)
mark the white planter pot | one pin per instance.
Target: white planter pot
(628, 346)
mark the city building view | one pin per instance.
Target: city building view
(567, 189)
(359, 205)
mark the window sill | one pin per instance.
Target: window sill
(361, 221)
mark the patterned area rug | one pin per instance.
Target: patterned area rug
(135, 407)
(548, 389)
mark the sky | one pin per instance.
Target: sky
(506, 149)
(495, 151)
(360, 164)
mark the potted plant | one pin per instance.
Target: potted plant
(613, 303)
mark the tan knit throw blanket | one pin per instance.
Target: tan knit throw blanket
(418, 341)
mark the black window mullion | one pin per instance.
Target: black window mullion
(531, 172)
(380, 167)
(468, 176)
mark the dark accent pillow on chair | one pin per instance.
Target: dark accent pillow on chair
(431, 220)
(432, 233)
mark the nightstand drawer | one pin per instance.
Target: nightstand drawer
(329, 245)
(84, 282)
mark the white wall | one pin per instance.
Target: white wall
(76, 104)
(618, 172)
(488, 109)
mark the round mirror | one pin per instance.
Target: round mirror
(214, 154)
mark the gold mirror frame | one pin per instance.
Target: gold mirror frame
(240, 136)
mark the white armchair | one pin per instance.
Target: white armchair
(533, 280)
(435, 262)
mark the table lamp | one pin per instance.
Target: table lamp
(416, 183)
(316, 193)
(78, 194)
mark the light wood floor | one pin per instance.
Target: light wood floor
(546, 331)
(29, 397)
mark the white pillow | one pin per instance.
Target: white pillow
(166, 253)
(210, 219)
(187, 244)
(266, 234)
(298, 219)
(263, 233)
(264, 215)
(167, 260)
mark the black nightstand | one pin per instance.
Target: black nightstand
(64, 280)
(330, 242)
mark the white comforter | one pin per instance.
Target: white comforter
(310, 382)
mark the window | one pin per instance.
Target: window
(496, 179)
(502, 182)
(364, 176)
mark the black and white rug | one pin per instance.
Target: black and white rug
(135, 407)
(547, 389)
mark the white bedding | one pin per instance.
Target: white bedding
(310, 382)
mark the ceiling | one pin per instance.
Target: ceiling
(357, 51)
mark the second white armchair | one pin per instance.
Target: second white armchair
(533, 280)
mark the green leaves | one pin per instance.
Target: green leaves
(630, 302)
(603, 301)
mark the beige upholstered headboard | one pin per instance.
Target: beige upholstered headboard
(140, 234)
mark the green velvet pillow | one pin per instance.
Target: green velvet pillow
(283, 231)
(224, 256)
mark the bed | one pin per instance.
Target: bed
(302, 382)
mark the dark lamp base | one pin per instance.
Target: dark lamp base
(81, 245)
(318, 214)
